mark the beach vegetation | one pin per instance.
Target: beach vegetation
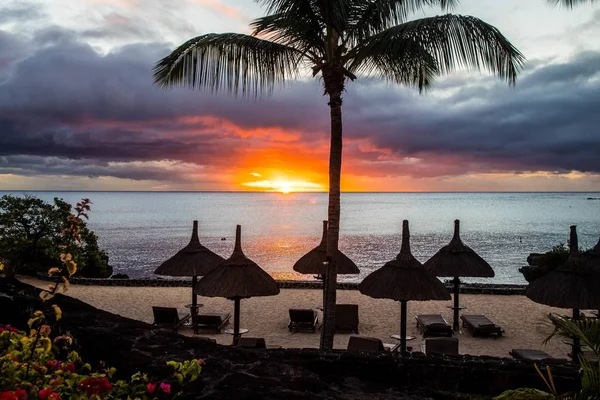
(587, 330)
(36, 365)
(339, 41)
(33, 235)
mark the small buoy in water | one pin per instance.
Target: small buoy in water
(223, 238)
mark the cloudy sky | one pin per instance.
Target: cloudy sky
(78, 109)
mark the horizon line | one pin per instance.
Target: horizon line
(287, 193)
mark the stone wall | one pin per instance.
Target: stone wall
(475, 288)
(233, 373)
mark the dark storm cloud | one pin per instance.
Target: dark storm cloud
(548, 122)
(67, 102)
(56, 166)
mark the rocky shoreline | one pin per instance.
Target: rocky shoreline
(471, 288)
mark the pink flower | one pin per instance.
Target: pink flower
(165, 387)
(151, 387)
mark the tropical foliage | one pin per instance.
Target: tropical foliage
(587, 330)
(33, 235)
(339, 40)
(31, 367)
(39, 366)
(571, 3)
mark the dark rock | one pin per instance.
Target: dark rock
(119, 276)
(235, 373)
(534, 258)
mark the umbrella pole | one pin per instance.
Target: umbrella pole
(402, 326)
(576, 342)
(236, 320)
(455, 324)
(194, 308)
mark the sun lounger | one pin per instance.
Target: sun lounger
(169, 317)
(252, 343)
(535, 356)
(441, 345)
(369, 344)
(346, 318)
(212, 321)
(433, 325)
(480, 325)
(587, 354)
(303, 319)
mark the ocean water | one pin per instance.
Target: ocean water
(141, 229)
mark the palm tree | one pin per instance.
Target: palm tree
(571, 3)
(340, 40)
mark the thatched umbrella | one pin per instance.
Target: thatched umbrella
(235, 279)
(572, 285)
(455, 260)
(403, 279)
(193, 260)
(313, 262)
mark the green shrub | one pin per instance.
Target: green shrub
(32, 238)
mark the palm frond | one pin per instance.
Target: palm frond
(410, 65)
(368, 17)
(571, 3)
(454, 41)
(586, 329)
(303, 32)
(590, 378)
(228, 61)
(334, 13)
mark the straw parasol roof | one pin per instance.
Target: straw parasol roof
(238, 277)
(572, 285)
(313, 261)
(193, 260)
(457, 259)
(592, 257)
(404, 278)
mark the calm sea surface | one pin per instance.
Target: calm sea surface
(140, 230)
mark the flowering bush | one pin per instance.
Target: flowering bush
(30, 363)
(43, 376)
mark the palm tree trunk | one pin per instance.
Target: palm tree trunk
(333, 229)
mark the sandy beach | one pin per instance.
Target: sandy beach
(525, 322)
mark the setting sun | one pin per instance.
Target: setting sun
(285, 186)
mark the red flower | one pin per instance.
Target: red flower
(95, 386)
(10, 329)
(8, 396)
(165, 387)
(54, 364)
(21, 394)
(68, 367)
(48, 394)
(151, 387)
